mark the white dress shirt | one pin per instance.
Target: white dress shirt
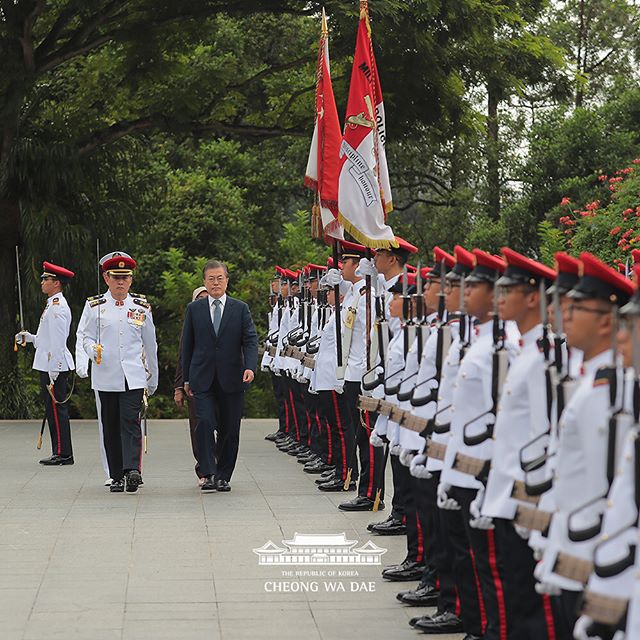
(212, 307)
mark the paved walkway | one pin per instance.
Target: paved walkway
(169, 563)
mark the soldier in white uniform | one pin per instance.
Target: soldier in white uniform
(120, 339)
(53, 361)
(522, 415)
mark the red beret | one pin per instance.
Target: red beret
(50, 269)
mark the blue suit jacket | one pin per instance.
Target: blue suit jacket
(224, 356)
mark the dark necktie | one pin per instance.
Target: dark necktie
(217, 315)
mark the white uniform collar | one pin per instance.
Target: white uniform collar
(602, 359)
(485, 328)
(531, 337)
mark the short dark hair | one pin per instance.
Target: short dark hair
(215, 264)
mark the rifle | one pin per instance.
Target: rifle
(143, 422)
(336, 293)
(381, 327)
(442, 347)
(499, 367)
(23, 342)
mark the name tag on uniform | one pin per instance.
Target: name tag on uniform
(136, 317)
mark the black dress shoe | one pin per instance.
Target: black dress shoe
(325, 468)
(447, 622)
(117, 486)
(371, 525)
(132, 481)
(425, 595)
(309, 458)
(324, 479)
(337, 484)
(272, 437)
(208, 485)
(56, 460)
(296, 451)
(407, 571)
(472, 636)
(313, 469)
(361, 503)
(222, 485)
(390, 527)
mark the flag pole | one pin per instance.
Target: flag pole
(336, 293)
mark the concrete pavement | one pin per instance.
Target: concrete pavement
(79, 563)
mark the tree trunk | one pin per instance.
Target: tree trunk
(493, 156)
(580, 54)
(9, 238)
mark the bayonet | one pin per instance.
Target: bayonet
(23, 342)
(99, 344)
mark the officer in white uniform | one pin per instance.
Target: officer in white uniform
(120, 339)
(53, 361)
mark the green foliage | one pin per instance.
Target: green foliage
(551, 241)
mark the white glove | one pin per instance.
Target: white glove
(82, 371)
(375, 440)
(94, 349)
(477, 520)
(366, 267)
(580, 630)
(418, 468)
(151, 390)
(406, 456)
(53, 376)
(395, 449)
(523, 532)
(333, 277)
(25, 336)
(547, 589)
(444, 501)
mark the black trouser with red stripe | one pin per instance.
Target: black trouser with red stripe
(371, 458)
(488, 569)
(530, 614)
(318, 429)
(338, 419)
(464, 570)
(57, 414)
(438, 552)
(120, 412)
(404, 502)
(278, 392)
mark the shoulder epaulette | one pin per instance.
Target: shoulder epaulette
(142, 303)
(100, 295)
(138, 295)
(98, 300)
(602, 377)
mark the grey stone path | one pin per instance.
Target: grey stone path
(169, 563)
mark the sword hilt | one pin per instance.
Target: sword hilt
(376, 502)
(98, 354)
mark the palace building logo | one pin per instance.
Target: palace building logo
(320, 549)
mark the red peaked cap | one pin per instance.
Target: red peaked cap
(279, 272)
(464, 263)
(119, 264)
(352, 249)
(411, 268)
(404, 248)
(523, 270)
(487, 267)
(411, 284)
(600, 281)
(313, 271)
(425, 272)
(330, 263)
(568, 269)
(62, 274)
(440, 256)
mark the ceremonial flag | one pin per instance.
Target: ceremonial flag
(364, 192)
(323, 165)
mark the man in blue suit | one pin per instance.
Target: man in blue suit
(219, 359)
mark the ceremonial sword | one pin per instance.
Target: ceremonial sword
(23, 342)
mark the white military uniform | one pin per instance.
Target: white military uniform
(128, 338)
(522, 415)
(52, 354)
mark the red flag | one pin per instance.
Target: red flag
(364, 192)
(323, 165)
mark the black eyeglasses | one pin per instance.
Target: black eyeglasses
(43, 278)
(579, 307)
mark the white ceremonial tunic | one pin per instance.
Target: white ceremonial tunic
(50, 342)
(356, 361)
(580, 474)
(324, 374)
(522, 415)
(128, 338)
(444, 410)
(472, 403)
(394, 362)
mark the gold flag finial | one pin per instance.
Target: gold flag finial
(325, 29)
